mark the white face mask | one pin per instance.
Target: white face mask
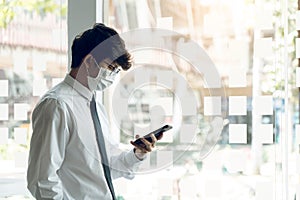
(103, 80)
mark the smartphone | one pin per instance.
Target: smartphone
(157, 133)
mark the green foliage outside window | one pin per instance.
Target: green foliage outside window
(9, 9)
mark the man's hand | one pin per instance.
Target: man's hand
(141, 150)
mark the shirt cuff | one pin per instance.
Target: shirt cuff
(141, 158)
(132, 158)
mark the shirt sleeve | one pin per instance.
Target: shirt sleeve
(47, 149)
(125, 165)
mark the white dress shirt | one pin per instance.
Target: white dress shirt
(64, 160)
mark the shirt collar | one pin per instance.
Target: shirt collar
(76, 85)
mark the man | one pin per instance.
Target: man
(71, 153)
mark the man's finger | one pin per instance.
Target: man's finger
(141, 148)
(154, 140)
(134, 144)
(147, 144)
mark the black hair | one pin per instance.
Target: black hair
(102, 42)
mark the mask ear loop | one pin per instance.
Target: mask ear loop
(87, 71)
(97, 65)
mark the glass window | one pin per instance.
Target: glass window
(242, 46)
(33, 58)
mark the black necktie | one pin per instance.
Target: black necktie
(101, 146)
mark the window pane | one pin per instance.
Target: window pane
(243, 41)
(33, 55)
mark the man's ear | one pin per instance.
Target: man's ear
(88, 61)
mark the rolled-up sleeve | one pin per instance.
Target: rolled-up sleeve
(47, 149)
